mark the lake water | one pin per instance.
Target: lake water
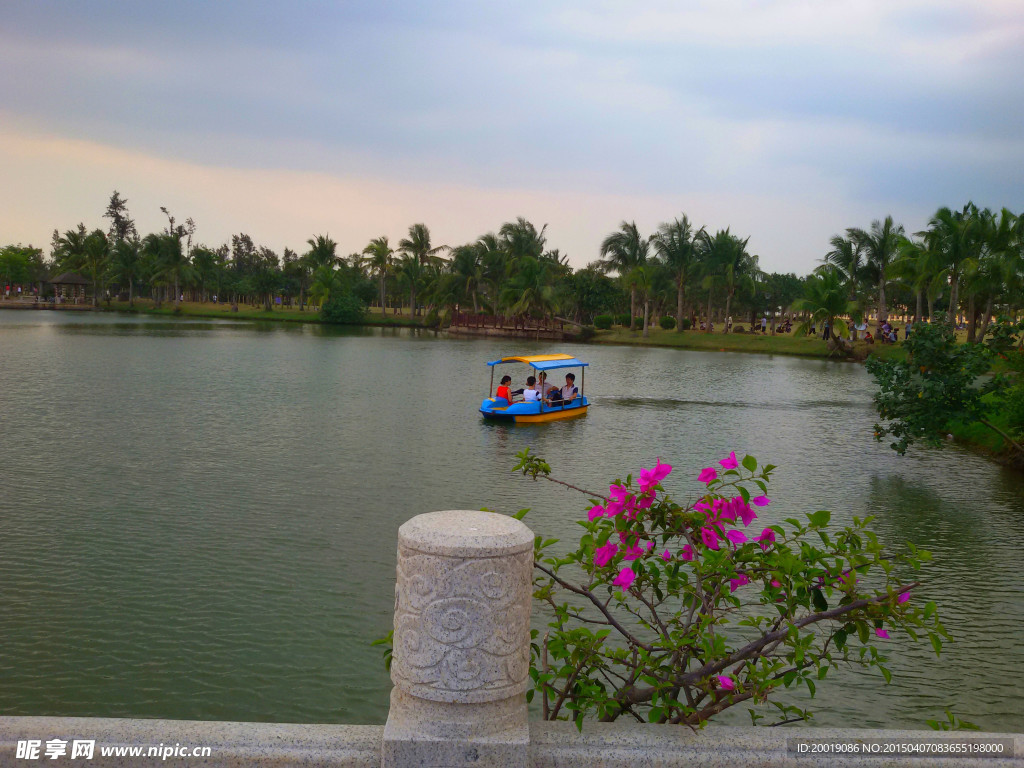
(198, 518)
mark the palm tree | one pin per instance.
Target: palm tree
(880, 248)
(418, 245)
(166, 259)
(411, 274)
(953, 240)
(322, 252)
(94, 261)
(825, 300)
(678, 246)
(326, 283)
(727, 264)
(126, 265)
(379, 261)
(468, 270)
(622, 252)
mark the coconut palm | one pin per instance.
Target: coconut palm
(322, 252)
(468, 270)
(727, 265)
(879, 247)
(166, 259)
(419, 247)
(678, 246)
(622, 252)
(126, 265)
(326, 283)
(825, 299)
(954, 240)
(379, 259)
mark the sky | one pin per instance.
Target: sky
(784, 121)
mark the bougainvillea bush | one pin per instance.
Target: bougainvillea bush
(670, 612)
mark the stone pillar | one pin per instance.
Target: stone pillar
(461, 644)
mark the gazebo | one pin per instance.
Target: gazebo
(71, 286)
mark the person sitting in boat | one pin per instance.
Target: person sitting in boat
(545, 387)
(503, 388)
(531, 394)
(566, 394)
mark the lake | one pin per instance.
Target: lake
(198, 518)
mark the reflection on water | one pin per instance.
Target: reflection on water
(198, 518)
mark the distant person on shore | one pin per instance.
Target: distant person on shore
(764, 324)
(825, 331)
(503, 388)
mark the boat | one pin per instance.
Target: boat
(500, 409)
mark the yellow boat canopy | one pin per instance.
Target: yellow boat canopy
(543, 362)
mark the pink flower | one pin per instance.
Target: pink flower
(706, 475)
(603, 555)
(595, 512)
(625, 578)
(729, 462)
(687, 553)
(738, 582)
(614, 508)
(903, 598)
(645, 501)
(652, 477)
(617, 492)
(624, 536)
(761, 501)
(776, 583)
(710, 539)
(725, 682)
(666, 555)
(767, 536)
(747, 515)
(882, 634)
(632, 553)
(648, 546)
(736, 537)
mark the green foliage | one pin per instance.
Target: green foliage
(941, 383)
(682, 630)
(952, 723)
(343, 308)
(685, 325)
(603, 322)
(667, 322)
(622, 320)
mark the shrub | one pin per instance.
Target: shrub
(604, 322)
(622, 320)
(667, 322)
(586, 333)
(343, 308)
(685, 324)
(672, 612)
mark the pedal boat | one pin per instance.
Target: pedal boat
(500, 409)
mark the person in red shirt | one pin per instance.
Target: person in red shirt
(503, 390)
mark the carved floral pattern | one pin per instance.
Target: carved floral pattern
(462, 626)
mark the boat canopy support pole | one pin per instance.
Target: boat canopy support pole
(491, 392)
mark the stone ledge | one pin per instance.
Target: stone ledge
(552, 745)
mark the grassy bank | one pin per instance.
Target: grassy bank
(779, 344)
(277, 315)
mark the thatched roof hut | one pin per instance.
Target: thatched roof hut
(70, 278)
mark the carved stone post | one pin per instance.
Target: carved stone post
(462, 643)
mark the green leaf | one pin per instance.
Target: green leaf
(521, 513)
(886, 674)
(820, 518)
(749, 463)
(936, 643)
(820, 603)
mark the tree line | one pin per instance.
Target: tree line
(968, 260)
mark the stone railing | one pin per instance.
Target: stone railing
(460, 672)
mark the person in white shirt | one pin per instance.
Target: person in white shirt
(545, 388)
(531, 394)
